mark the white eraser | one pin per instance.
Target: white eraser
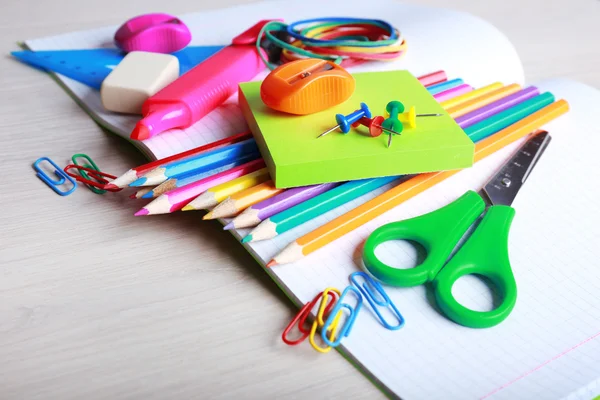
(138, 76)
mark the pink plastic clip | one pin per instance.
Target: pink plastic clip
(156, 33)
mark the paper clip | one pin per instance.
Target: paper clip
(99, 177)
(320, 323)
(336, 313)
(90, 164)
(58, 172)
(300, 319)
(382, 300)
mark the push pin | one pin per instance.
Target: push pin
(374, 125)
(410, 118)
(394, 109)
(344, 122)
(397, 117)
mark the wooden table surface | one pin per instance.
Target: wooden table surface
(97, 304)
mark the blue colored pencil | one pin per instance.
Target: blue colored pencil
(198, 163)
(443, 86)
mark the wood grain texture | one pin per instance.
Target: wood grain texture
(96, 304)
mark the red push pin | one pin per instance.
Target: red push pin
(374, 125)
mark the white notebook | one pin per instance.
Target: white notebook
(549, 347)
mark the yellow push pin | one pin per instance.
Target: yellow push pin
(409, 118)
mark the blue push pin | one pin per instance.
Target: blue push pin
(345, 122)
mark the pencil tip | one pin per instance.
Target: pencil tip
(247, 239)
(138, 182)
(149, 195)
(208, 216)
(132, 196)
(271, 263)
(143, 211)
(188, 208)
(229, 226)
(110, 186)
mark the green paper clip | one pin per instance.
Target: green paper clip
(90, 164)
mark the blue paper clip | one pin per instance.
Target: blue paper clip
(343, 331)
(376, 301)
(54, 184)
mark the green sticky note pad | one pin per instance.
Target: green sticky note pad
(295, 157)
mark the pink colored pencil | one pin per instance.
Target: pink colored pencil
(433, 78)
(176, 199)
(450, 93)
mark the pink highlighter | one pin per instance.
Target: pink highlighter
(203, 88)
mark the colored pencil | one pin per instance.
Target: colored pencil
(306, 211)
(134, 173)
(138, 194)
(217, 194)
(448, 94)
(177, 198)
(501, 120)
(239, 201)
(198, 163)
(497, 106)
(258, 212)
(325, 202)
(433, 78)
(178, 182)
(458, 100)
(443, 86)
(481, 101)
(410, 188)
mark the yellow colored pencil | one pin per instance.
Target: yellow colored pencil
(458, 100)
(239, 201)
(217, 194)
(483, 100)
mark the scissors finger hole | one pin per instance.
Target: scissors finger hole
(476, 292)
(401, 254)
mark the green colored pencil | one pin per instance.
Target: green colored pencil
(312, 208)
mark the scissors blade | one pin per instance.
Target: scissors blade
(504, 186)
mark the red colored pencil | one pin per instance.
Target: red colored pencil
(134, 173)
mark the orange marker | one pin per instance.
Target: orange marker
(306, 86)
(239, 201)
(483, 100)
(386, 201)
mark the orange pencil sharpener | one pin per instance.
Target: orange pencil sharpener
(306, 86)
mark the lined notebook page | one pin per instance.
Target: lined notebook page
(432, 35)
(549, 347)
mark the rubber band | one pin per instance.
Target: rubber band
(348, 40)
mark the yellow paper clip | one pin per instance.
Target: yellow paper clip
(320, 321)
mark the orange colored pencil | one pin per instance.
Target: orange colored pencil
(483, 100)
(386, 201)
(239, 201)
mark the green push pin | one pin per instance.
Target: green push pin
(394, 108)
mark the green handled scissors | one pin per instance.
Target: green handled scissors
(484, 253)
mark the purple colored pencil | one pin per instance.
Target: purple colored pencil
(253, 215)
(455, 91)
(494, 108)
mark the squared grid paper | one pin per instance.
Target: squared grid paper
(428, 53)
(549, 347)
